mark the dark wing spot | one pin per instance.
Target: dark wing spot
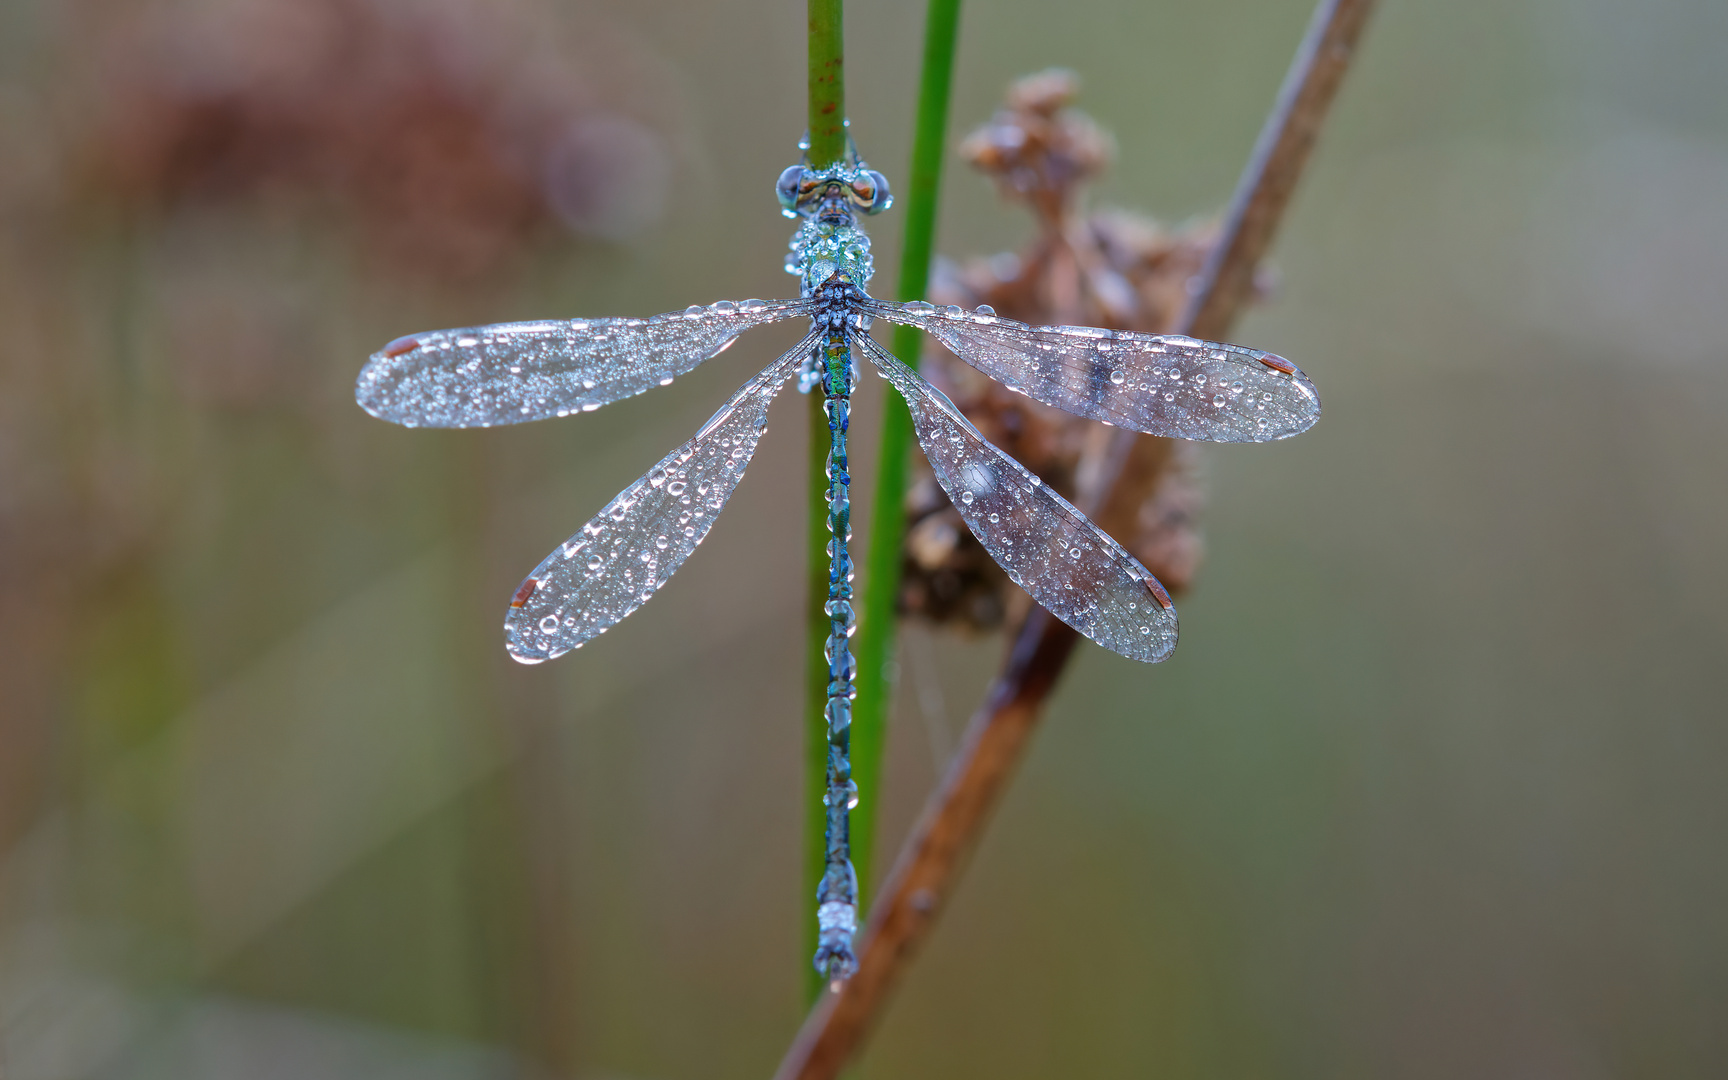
(1278, 363)
(401, 345)
(1159, 594)
(527, 590)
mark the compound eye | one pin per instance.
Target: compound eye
(872, 191)
(786, 188)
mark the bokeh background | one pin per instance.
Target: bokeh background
(1434, 787)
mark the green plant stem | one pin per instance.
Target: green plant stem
(877, 623)
(827, 145)
(827, 84)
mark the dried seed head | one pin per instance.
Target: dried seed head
(1039, 151)
(1110, 268)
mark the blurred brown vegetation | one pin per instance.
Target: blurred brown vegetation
(445, 135)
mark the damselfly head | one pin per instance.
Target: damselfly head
(838, 191)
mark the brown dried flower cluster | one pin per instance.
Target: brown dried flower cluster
(1110, 268)
(444, 135)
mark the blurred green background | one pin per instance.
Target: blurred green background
(1434, 787)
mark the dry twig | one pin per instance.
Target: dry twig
(954, 816)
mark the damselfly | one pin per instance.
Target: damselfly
(515, 372)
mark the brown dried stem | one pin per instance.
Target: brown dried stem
(954, 817)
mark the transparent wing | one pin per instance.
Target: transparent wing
(509, 373)
(617, 561)
(1049, 548)
(1158, 384)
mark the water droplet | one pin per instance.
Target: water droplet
(1169, 397)
(1236, 387)
(995, 518)
(1217, 400)
(595, 562)
(1199, 379)
(549, 625)
(694, 311)
(919, 307)
(967, 497)
(676, 487)
(723, 307)
(986, 309)
(1118, 377)
(661, 542)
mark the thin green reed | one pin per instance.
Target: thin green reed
(882, 571)
(827, 125)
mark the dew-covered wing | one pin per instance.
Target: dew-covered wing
(1159, 384)
(622, 557)
(1049, 548)
(509, 373)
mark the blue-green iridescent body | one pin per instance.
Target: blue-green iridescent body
(831, 257)
(837, 895)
